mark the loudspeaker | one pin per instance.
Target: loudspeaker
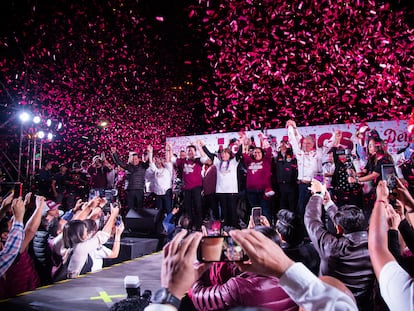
(141, 220)
(132, 248)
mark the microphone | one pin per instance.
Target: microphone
(403, 149)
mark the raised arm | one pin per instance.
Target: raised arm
(15, 237)
(264, 143)
(168, 152)
(204, 152)
(117, 241)
(116, 159)
(293, 135)
(267, 258)
(33, 223)
(322, 239)
(87, 208)
(5, 204)
(150, 151)
(389, 274)
(111, 220)
(378, 236)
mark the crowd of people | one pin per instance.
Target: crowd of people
(359, 270)
(321, 63)
(314, 209)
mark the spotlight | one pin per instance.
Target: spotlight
(50, 136)
(59, 125)
(24, 116)
(41, 134)
(36, 120)
(49, 122)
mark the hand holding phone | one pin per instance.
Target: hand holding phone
(389, 175)
(118, 220)
(17, 190)
(220, 249)
(256, 213)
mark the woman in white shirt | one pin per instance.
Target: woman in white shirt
(227, 183)
(160, 172)
(101, 252)
(78, 246)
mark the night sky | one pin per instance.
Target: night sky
(154, 69)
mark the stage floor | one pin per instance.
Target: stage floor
(94, 291)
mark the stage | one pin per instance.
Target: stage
(93, 291)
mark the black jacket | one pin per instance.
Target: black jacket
(135, 173)
(345, 257)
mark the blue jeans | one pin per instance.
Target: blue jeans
(304, 196)
(256, 198)
(164, 205)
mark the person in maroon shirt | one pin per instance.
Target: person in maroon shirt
(98, 171)
(190, 169)
(258, 182)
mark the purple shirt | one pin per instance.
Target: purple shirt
(191, 172)
(98, 176)
(258, 172)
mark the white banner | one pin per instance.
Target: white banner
(394, 132)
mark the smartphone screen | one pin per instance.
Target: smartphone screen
(220, 249)
(389, 175)
(118, 220)
(256, 213)
(213, 228)
(17, 190)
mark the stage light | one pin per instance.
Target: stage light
(50, 136)
(36, 120)
(59, 125)
(41, 134)
(24, 116)
(49, 122)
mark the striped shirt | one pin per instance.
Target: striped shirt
(12, 247)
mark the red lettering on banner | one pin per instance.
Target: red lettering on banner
(322, 138)
(347, 140)
(402, 137)
(390, 135)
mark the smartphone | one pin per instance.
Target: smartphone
(256, 213)
(17, 190)
(389, 175)
(220, 249)
(118, 220)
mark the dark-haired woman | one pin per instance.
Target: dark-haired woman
(226, 184)
(258, 183)
(371, 175)
(78, 245)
